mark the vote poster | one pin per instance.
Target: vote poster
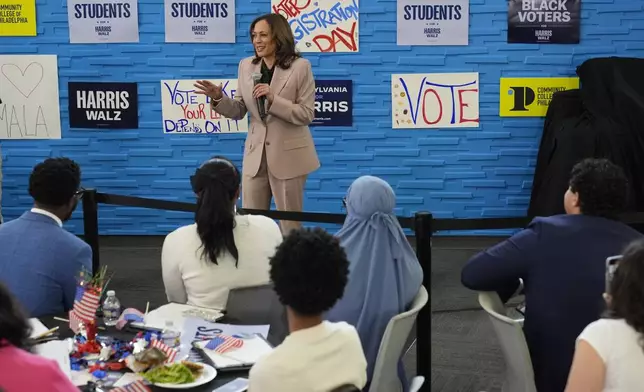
(333, 103)
(103, 21)
(530, 97)
(544, 21)
(17, 18)
(103, 105)
(197, 21)
(440, 100)
(321, 26)
(442, 22)
(29, 100)
(186, 112)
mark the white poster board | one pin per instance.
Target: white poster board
(322, 25)
(197, 21)
(29, 103)
(445, 100)
(433, 22)
(185, 111)
(103, 21)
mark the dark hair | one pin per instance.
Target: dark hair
(14, 327)
(602, 187)
(54, 182)
(216, 184)
(285, 52)
(626, 290)
(309, 271)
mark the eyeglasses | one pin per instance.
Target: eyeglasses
(344, 202)
(79, 193)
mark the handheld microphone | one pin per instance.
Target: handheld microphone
(261, 101)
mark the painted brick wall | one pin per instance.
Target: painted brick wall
(484, 172)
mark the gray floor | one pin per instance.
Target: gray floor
(465, 353)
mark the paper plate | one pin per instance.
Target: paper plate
(209, 373)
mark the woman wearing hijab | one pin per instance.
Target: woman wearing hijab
(384, 273)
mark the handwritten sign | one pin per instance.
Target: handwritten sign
(321, 25)
(435, 100)
(18, 18)
(29, 107)
(184, 111)
(94, 21)
(198, 21)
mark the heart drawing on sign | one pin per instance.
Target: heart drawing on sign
(24, 81)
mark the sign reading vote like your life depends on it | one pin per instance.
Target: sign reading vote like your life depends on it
(197, 21)
(321, 25)
(103, 105)
(333, 103)
(97, 21)
(17, 18)
(530, 97)
(544, 21)
(443, 22)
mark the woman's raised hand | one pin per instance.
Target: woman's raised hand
(209, 89)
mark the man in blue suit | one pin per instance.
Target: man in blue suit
(561, 260)
(39, 260)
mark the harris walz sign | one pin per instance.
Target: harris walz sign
(333, 103)
(103, 105)
(544, 21)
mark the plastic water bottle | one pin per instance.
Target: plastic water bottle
(111, 309)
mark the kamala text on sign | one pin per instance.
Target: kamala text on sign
(444, 23)
(530, 97)
(95, 21)
(17, 18)
(196, 21)
(185, 111)
(321, 25)
(435, 100)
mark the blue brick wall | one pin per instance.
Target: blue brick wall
(455, 173)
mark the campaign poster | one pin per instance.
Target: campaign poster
(438, 100)
(544, 21)
(333, 103)
(103, 21)
(103, 105)
(186, 112)
(198, 21)
(441, 22)
(322, 26)
(29, 99)
(17, 18)
(530, 97)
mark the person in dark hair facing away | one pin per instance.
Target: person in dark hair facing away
(39, 260)
(561, 261)
(21, 370)
(309, 272)
(221, 251)
(610, 351)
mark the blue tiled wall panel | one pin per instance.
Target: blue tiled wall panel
(454, 173)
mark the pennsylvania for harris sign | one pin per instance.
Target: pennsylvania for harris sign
(530, 97)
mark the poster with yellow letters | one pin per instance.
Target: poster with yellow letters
(17, 18)
(530, 97)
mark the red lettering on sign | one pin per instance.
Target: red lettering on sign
(290, 8)
(440, 107)
(197, 113)
(462, 105)
(214, 115)
(338, 35)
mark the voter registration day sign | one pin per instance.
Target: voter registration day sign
(530, 97)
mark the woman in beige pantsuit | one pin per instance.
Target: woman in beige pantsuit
(279, 152)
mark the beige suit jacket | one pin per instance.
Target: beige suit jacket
(285, 134)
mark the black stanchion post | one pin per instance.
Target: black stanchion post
(423, 229)
(90, 223)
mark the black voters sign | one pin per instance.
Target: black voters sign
(544, 21)
(103, 105)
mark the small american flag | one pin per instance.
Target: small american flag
(223, 343)
(170, 352)
(85, 305)
(136, 386)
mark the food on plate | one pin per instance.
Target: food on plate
(194, 367)
(177, 373)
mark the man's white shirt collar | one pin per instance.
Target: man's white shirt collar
(49, 214)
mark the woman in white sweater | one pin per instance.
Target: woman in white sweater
(610, 352)
(221, 251)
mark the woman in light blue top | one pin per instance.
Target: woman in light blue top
(384, 273)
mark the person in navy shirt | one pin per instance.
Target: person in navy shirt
(39, 260)
(561, 260)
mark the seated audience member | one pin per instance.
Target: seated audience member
(20, 370)
(610, 351)
(221, 251)
(39, 260)
(309, 272)
(561, 260)
(384, 273)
